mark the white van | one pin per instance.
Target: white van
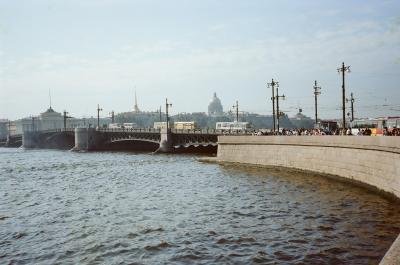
(114, 126)
(129, 125)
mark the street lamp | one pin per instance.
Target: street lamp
(236, 107)
(98, 115)
(167, 105)
(278, 113)
(343, 70)
(112, 116)
(33, 123)
(65, 119)
(272, 85)
(317, 91)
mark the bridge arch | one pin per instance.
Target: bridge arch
(132, 144)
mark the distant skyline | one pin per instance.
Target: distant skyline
(93, 52)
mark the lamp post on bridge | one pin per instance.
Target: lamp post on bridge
(98, 115)
(343, 70)
(317, 91)
(278, 113)
(236, 107)
(272, 85)
(112, 116)
(167, 105)
(33, 123)
(65, 119)
(352, 99)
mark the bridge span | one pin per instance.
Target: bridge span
(147, 139)
(142, 139)
(13, 140)
(49, 139)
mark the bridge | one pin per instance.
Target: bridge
(49, 139)
(13, 140)
(142, 139)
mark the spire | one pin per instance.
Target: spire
(135, 100)
(50, 109)
(136, 108)
(50, 97)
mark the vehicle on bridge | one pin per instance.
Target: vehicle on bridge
(185, 125)
(233, 126)
(115, 126)
(160, 125)
(129, 125)
(126, 125)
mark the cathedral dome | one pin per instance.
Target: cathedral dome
(215, 106)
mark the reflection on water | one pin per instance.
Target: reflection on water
(124, 208)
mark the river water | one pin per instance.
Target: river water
(60, 207)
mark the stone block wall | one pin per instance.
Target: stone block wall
(371, 160)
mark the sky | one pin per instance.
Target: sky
(91, 52)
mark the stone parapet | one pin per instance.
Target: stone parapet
(371, 160)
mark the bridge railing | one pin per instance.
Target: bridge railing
(53, 130)
(142, 130)
(212, 131)
(180, 131)
(14, 135)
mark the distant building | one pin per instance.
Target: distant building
(215, 106)
(50, 120)
(47, 120)
(26, 124)
(3, 129)
(302, 121)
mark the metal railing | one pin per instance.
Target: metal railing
(52, 130)
(180, 131)
(139, 130)
(153, 130)
(213, 131)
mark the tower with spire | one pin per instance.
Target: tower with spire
(50, 109)
(136, 108)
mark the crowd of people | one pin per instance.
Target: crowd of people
(348, 131)
(393, 132)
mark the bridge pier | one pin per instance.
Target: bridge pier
(81, 139)
(13, 141)
(87, 139)
(166, 141)
(30, 139)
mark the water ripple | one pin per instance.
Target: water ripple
(61, 207)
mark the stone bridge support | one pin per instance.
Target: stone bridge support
(166, 141)
(88, 139)
(30, 139)
(13, 141)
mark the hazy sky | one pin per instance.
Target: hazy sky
(97, 51)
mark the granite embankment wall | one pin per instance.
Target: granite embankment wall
(374, 161)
